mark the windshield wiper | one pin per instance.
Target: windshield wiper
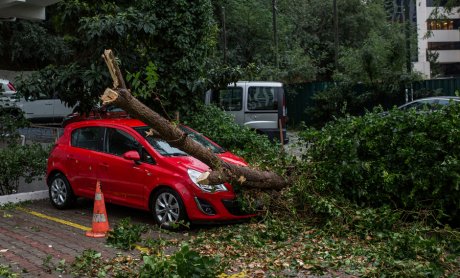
(177, 154)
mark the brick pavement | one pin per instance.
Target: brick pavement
(27, 241)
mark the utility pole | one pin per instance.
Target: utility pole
(336, 34)
(275, 34)
(224, 34)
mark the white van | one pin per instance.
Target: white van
(259, 105)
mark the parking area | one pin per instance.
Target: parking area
(36, 235)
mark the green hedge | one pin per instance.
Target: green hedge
(406, 160)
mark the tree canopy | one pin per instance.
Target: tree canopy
(173, 51)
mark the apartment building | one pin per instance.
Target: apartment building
(438, 40)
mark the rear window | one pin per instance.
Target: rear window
(229, 99)
(263, 98)
(90, 138)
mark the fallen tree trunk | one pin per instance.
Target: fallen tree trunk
(167, 131)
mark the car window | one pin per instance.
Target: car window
(88, 138)
(167, 150)
(159, 145)
(229, 99)
(146, 157)
(197, 137)
(420, 105)
(262, 98)
(120, 142)
(448, 101)
(39, 96)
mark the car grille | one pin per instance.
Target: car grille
(233, 206)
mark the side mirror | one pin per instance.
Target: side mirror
(132, 155)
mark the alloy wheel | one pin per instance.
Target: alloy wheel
(167, 208)
(59, 193)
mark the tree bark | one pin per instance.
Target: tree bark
(169, 132)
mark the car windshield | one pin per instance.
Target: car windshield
(167, 150)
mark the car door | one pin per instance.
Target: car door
(60, 109)
(82, 159)
(37, 107)
(125, 180)
(262, 107)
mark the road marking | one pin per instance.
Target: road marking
(58, 220)
(71, 224)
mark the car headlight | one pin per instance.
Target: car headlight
(194, 174)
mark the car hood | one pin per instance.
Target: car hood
(185, 162)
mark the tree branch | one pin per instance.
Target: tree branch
(165, 130)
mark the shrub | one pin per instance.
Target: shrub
(406, 160)
(125, 235)
(17, 161)
(220, 127)
(184, 263)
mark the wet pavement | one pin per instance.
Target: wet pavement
(36, 235)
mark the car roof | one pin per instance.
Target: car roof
(117, 121)
(438, 97)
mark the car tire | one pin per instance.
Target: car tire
(168, 209)
(60, 192)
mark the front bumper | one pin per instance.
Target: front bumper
(213, 207)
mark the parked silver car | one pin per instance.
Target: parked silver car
(43, 108)
(431, 103)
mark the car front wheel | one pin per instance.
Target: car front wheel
(60, 192)
(168, 209)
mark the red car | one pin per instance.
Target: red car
(138, 171)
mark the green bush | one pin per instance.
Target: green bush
(405, 160)
(17, 161)
(257, 149)
(184, 263)
(126, 234)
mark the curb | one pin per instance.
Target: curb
(21, 197)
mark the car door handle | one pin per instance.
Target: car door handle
(71, 158)
(48, 104)
(105, 165)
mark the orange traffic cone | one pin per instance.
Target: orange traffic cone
(100, 221)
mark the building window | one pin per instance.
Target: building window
(436, 3)
(450, 69)
(444, 45)
(443, 24)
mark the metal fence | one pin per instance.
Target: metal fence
(299, 96)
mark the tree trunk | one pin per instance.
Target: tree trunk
(167, 131)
